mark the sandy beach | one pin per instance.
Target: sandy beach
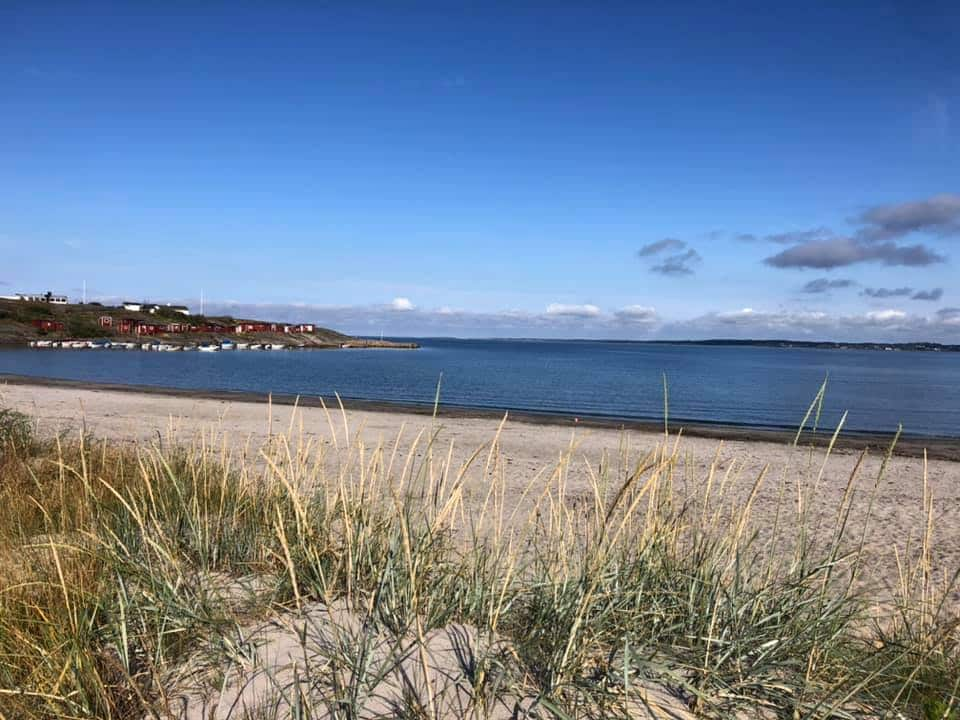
(529, 452)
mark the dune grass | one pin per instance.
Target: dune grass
(120, 567)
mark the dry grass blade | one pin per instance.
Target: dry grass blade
(326, 577)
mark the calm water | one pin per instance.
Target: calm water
(751, 386)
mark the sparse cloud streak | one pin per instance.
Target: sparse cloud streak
(904, 292)
(882, 293)
(938, 215)
(660, 246)
(949, 316)
(787, 238)
(679, 264)
(679, 261)
(841, 252)
(928, 295)
(823, 285)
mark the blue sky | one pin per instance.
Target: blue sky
(548, 169)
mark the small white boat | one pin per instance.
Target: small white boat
(44, 343)
(78, 344)
(256, 346)
(187, 348)
(208, 348)
(275, 346)
(32, 343)
(242, 346)
(228, 345)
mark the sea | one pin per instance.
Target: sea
(767, 387)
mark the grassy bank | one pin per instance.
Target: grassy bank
(83, 322)
(203, 577)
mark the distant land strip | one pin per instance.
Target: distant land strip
(817, 344)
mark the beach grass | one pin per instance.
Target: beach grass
(312, 577)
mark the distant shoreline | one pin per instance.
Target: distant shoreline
(814, 344)
(723, 342)
(937, 447)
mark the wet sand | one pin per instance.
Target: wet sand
(945, 448)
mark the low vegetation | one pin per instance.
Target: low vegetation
(308, 579)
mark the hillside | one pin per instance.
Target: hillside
(21, 322)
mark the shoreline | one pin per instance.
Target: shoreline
(180, 343)
(936, 448)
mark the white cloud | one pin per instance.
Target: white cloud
(636, 314)
(402, 304)
(886, 315)
(575, 311)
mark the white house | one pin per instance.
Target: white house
(47, 297)
(153, 308)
